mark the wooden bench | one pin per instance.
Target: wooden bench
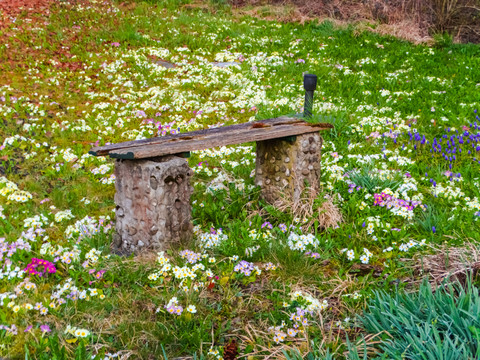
(153, 190)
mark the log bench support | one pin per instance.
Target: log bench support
(152, 200)
(285, 169)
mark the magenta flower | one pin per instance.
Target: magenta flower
(45, 328)
(28, 328)
(116, 44)
(40, 267)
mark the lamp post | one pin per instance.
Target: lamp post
(310, 84)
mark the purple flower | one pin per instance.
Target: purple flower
(267, 224)
(433, 229)
(45, 328)
(244, 267)
(28, 328)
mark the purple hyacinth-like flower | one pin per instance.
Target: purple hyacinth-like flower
(434, 230)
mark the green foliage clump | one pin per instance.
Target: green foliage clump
(440, 323)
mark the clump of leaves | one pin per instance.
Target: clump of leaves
(428, 324)
(366, 178)
(431, 220)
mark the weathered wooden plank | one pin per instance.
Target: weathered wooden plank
(257, 131)
(104, 150)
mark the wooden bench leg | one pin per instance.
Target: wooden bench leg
(285, 169)
(152, 200)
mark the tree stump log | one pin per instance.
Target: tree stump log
(152, 200)
(285, 168)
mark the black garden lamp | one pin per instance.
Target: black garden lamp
(310, 84)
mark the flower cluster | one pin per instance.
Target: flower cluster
(302, 242)
(244, 267)
(77, 332)
(40, 267)
(390, 202)
(173, 308)
(190, 256)
(213, 239)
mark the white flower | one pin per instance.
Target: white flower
(350, 255)
(191, 309)
(364, 259)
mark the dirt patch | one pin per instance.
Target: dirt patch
(11, 9)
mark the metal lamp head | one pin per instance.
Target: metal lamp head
(310, 82)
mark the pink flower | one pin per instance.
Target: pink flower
(45, 328)
(116, 44)
(40, 267)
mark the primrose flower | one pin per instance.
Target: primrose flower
(191, 309)
(350, 255)
(213, 352)
(270, 266)
(279, 337)
(83, 333)
(40, 267)
(364, 259)
(292, 332)
(244, 267)
(45, 328)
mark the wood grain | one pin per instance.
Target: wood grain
(208, 138)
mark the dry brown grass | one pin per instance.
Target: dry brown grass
(452, 264)
(411, 20)
(327, 215)
(388, 20)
